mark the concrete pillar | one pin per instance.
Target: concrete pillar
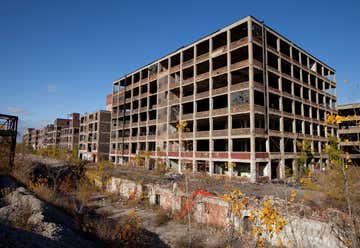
(253, 174)
(211, 168)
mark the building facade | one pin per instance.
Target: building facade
(246, 93)
(349, 131)
(95, 136)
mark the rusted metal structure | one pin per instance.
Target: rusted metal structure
(8, 132)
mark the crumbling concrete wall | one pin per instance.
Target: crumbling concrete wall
(213, 210)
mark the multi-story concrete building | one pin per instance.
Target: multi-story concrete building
(27, 138)
(247, 93)
(349, 131)
(69, 136)
(95, 136)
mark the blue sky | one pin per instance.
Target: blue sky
(58, 57)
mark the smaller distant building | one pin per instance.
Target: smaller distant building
(94, 136)
(27, 137)
(69, 136)
(109, 102)
(349, 131)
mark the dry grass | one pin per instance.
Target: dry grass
(162, 217)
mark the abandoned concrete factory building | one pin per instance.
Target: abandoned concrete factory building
(349, 131)
(246, 93)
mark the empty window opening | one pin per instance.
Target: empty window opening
(288, 145)
(153, 87)
(284, 48)
(274, 122)
(134, 132)
(306, 110)
(144, 74)
(257, 32)
(239, 54)
(219, 62)
(136, 91)
(238, 32)
(241, 121)
(288, 125)
(258, 53)
(296, 71)
(188, 54)
(128, 80)
(202, 86)
(144, 89)
(313, 81)
(175, 78)
(273, 60)
(287, 105)
(305, 76)
(152, 101)
(259, 121)
(219, 40)
(187, 145)
(320, 84)
(220, 102)
(307, 127)
(152, 130)
(240, 76)
(319, 68)
(133, 147)
(136, 77)
(135, 104)
(274, 144)
(188, 73)
(202, 166)
(258, 76)
(298, 126)
(202, 48)
(153, 69)
(298, 108)
(271, 40)
(241, 145)
(174, 113)
(188, 108)
(202, 67)
(128, 94)
(152, 115)
(164, 65)
(189, 126)
(220, 81)
(305, 93)
(297, 90)
(174, 93)
(202, 105)
(142, 131)
(295, 54)
(313, 96)
(219, 167)
(260, 145)
(285, 67)
(273, 80)
(202, 125)
(274, 101)
(135, 118)
(202, 145)
(286, 85)
(143, 102)
(188, 90)
(242, 169)
(258, 98)
(175, 60)
(314, 113)
(143, 116)
(220, 123)
(220, 145)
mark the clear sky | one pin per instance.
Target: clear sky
(58, 57)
